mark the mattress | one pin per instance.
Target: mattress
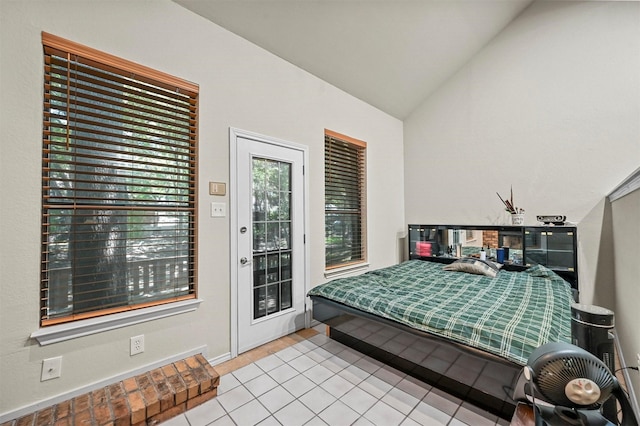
(509, 315)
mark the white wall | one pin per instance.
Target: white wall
(552, 107)
(241, 86)
(626, 235)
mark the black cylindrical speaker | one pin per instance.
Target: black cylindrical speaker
(592, 330)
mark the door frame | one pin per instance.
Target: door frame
(234, 134)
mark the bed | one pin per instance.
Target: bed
(466, 333)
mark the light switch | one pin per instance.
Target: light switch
(218, 209)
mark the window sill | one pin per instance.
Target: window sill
(346, 270)
(60, 333)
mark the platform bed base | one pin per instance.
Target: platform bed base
(474, 376)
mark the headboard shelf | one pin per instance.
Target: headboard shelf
(552, 246)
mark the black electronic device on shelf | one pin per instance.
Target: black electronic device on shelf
(568, 386)
(554, 219)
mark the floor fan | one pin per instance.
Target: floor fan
(567, 386)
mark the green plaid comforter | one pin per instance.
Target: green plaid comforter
(509, 315)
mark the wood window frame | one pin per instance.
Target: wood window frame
(138, 78)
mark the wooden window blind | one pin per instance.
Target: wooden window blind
(118, 185)
(345, 200)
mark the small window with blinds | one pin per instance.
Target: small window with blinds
(345, 200)
(118, 185)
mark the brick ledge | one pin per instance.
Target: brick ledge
(147, 398)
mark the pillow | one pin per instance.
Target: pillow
(475, 266)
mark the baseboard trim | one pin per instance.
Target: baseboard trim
(219, 359)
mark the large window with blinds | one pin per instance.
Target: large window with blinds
(345, 200)
(118, 185)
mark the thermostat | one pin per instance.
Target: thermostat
(217, 188)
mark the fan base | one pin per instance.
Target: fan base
(563, 416)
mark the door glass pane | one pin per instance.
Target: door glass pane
(259, 206)
(259, 302)
(273, 236)
(285, 200)
(285, 235)
(259, 173)
(273, 205)
(259, 270)
(273, 294)
(272, 270)
(285, 176)
(259, 236)
(273, 273)
(285, 266)
(272, 171)
(285, 299)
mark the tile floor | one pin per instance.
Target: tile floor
(309, 379)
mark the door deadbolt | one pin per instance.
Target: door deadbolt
(243, 230)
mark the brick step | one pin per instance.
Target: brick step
(148, 398)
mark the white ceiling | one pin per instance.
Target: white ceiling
(391, 54)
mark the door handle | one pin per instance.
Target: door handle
(244, 260)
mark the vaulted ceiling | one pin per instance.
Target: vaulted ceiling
(391, 54)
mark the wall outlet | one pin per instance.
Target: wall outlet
(137, 345)
(218, 209)
(51, 368)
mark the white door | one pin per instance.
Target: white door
(270, 237)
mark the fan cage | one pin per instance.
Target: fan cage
(554, 375)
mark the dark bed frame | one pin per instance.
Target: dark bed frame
(472, 375)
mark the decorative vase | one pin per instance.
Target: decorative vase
(517, 219)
